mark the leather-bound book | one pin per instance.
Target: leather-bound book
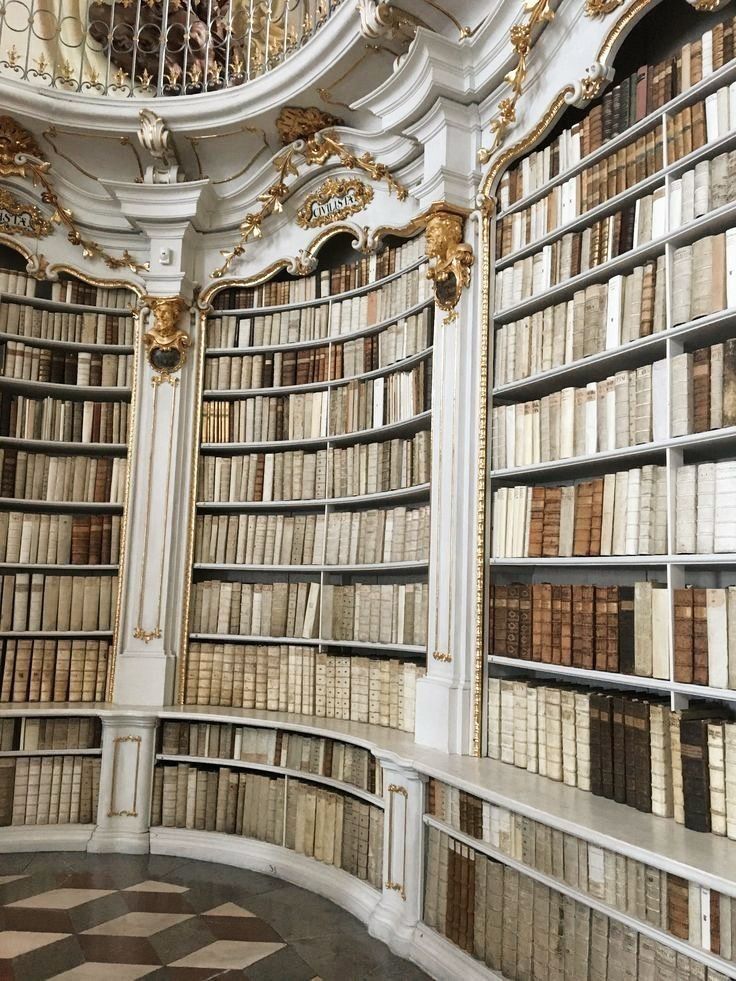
(605, 730)
(729, 382)
(618, 704)
(537, 521)
(678, 915)
(556, 639)
(626, 643)
(642, 755)
(601, 628)
(500, 598)
(695, 778)
(700, 637)
(583, 626)
(684, 641)
(551, 519)
(512, 622)
(596, 775)
(701, 390)
(525, 621)
(583, 518)
(630, 768)
(566, 625)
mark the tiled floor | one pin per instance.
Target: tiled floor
(83, 917)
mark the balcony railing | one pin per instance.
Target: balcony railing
(147, 48)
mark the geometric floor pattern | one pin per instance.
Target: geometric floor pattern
(119, 918)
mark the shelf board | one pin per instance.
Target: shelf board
(42, 303)
(63, 447)
(232, 394)
(559, 886)
(373, 568)
(694, 94)
(55, 634)
(51, 752)
(378, 434)
(707, 225)
(281, 771)
(330, 339)
(18, 504)
(602, 677)
(318, 301)
(307, 642)
(45, 838)
(52, 344)
(418, 492)
(55, 569)
(597, 561)
(76, 393)
(714, 439)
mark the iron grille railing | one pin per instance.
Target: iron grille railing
(147, 48)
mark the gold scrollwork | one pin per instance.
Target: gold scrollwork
(444, 656)
(520, 35)
(303, 122)
(335, 200)
(22, 218)
(599, 8)
(167, 344)
(314, 152)
(450, 258)
(400, 887)
(133, 812)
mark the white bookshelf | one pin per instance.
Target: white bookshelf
(324, 573)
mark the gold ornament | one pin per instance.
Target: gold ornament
(599, 8)
(334, 201)
(22, 218)
(167, 344)
(451, 259)
(297, 123)
(15, 140)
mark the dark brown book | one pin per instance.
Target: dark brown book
(695, 776)
(700, 637)
(618, 705)
(605, 733)
(729, 382)
(701, 390)
(566, 625)
(596, 776)
(684, 640)
(525, 621)
(583, 626)
(678, 907)
(630, 767)
(626, 634)
(600, 657)
(551, 520)
(512, 622)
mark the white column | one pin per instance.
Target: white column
(126, 778)
(154, 577)
(395, 918)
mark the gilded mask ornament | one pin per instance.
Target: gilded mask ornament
(451, 259)
(167, 344)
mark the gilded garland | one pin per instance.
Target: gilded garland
(20, 156)
(314, 152)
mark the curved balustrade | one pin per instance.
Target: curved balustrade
(147, 48)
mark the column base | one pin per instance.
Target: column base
(119, 842)
(442, 704)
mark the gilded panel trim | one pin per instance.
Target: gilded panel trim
(113, 811)
(393, 791)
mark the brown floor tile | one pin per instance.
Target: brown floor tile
(157, 902)
(87, 880)
(39, 920)
(240, 928)
(118, 950)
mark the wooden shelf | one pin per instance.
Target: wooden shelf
(51, 752)
(63, 447)
(374, 568)
(42, 303)
(307, 642)
(419, 492)
(56, 634)
(20, 504)
(56, 568)
(74, 392)
(44, 342)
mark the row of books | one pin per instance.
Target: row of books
(634, 98)
(604, 179)
(523, 928)
(64, 367)
(324, 824)
(304, 681)
(327, 282)
(51, 539)
(66, 290)
(706, 508)
(398, 341)
(55, 325)
(633, 750)
(599, 318)
(704, 389)
(350, 471)
(702, 189)
(45, 602)
(274, 747)
(710, 119)
(57, 419)
(353, 407)
(644, 892)
(49, 790)
(619, 629)
(383, 614)
(336, 320)
(707, 264)
(42, 477)
(388, 535)
(623, 410)
(30, 734)
(623, 513)
(53, 670)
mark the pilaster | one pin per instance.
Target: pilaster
(126, 779)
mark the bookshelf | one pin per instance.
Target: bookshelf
(606, 293)
(311, 525)
(67, 350)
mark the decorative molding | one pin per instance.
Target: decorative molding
(451, 260)
(394, 790)
(167, 344)
(22, 218)
(599, 8)
(380, 19)
(597, 76)
(133, 811)
(326, 95)
(444, 656)
(302, 123)
(52, 133)
(21, 157)
(313, 152)
(520, 35)
(335, 200)
(155, 136)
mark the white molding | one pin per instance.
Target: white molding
(45, 838)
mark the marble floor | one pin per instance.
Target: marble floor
(78, 917)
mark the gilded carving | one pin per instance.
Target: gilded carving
(155, 136)
(22, 218)
(302, 123)
(599, 8)
(443, 656)
(167, 344)
(335, 200)
(16, 141)
(450, 258)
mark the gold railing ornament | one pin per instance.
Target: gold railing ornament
(450, 258)
(167, 344)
